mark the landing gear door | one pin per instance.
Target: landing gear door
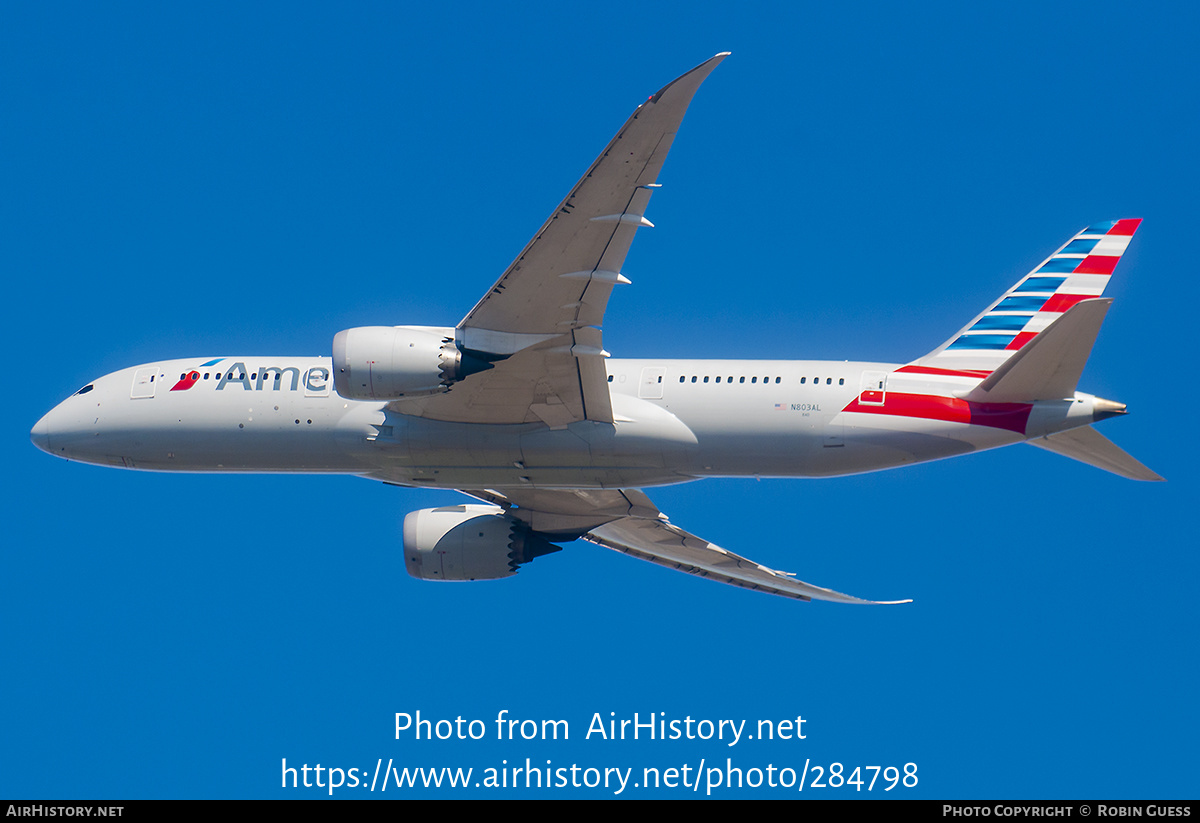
(873, 388)
(651, 384)
(143, 383)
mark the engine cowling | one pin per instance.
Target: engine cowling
(468, 542)
(390, 362)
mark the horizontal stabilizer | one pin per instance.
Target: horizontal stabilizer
(1087, 445)
(1050, 365)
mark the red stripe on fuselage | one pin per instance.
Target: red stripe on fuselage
(1010, 416)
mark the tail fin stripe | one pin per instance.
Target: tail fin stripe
(1021, 339)
(1079, 270)
(982, 341)
(1126, 227)
(1097, 264)
(1080, 246)
(1025, 325)
(1046, 284)
(1023, 303)
(1114, 228)
(1002, 322)
(1113, 245)
(1032, 304)
(1093, 284)
(1061, 302)
(1059, 264)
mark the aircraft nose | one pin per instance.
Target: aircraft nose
(40, 434)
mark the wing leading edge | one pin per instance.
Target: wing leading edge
(539, 325)
(625, 520)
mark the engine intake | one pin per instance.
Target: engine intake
(469, 542)
(390, 362)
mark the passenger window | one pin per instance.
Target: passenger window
(741, 379)
(778, 379)
(706, 378)
(610, 377)
(802, 379)
(693, 378)
(841, 381)
(718, 378)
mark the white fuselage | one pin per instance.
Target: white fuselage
(676, 420)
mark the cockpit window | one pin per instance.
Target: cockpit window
(86, 389)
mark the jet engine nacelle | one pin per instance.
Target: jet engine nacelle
(390, 362)
(468, 542)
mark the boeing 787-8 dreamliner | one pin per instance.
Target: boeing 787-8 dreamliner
(520, 407)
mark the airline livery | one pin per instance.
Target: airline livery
(520, 407)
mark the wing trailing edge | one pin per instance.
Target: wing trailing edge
(625, 520)
(660, 542)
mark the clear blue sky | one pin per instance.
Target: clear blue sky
(853, 183)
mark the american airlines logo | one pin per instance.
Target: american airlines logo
(270, 378)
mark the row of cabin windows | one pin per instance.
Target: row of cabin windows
(765, 380)
(252, 377)
(803, 380)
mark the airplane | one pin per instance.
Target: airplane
(520, 407)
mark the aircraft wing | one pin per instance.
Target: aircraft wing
(626, 521)
(538, 326)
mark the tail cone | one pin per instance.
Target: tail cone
(1103, 409)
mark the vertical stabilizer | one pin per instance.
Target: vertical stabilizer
(1078, 271)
